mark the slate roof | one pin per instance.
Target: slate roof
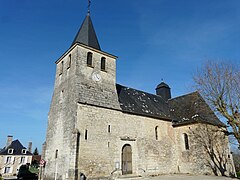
(192, 108)
(142, 103)
(187, 109)
(162, 84)
(17, 149)
(86, 34)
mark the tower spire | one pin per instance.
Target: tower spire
(86, 34)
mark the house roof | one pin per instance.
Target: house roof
(187, 109)
(86, 34)
(142, 103)
(17, 149)
(192, 108)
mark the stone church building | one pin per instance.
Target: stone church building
(106, 130)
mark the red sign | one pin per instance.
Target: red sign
(42, 162)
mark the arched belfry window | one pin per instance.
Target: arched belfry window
(89, 59)
(103, 64)
(186, 141)
(156, 132)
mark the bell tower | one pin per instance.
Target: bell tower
(95, 69)
(84, 74)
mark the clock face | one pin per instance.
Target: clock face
(96, 77)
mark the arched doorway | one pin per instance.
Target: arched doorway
(127, 159)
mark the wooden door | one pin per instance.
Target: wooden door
(127, 159)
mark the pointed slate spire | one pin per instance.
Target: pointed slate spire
(86, 34)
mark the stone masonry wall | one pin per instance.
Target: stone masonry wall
(100, 152)
(73, 84)
(208, 152)
(101, 93)
(61, 120)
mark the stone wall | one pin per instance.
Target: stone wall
(61, 120)
(102, 92)
(73, 84)
(208, 153)
(100, 151)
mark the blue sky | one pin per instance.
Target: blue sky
(153, 39)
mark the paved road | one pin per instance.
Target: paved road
(182, 177)
(170, 177)
(186, 177)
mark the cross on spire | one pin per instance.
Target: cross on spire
(89, 4)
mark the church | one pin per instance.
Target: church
(103, 130)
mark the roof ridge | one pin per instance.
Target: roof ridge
(142, 91)
(194, 92)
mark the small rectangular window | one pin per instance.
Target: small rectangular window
(103, 64)
(86, 135)
(109, 128)
(10, 151)
(56, 154)
(186, 141)
(69, 61)
(61, 68)
(24, 151)
(7, 170)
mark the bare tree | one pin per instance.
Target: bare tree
(219, 84)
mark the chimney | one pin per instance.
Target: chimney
(9, 141)
(30, 147)
(164, 91)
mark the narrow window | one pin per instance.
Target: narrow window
(186, 141)
(7, 170)
(56, 154)
(89, 59)
(69, 61)
(86, 135)
(156, 132)
(108, 144)
(109, 128)
(8, 160)
(103, 64)
(61, 68)
(22, 160)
